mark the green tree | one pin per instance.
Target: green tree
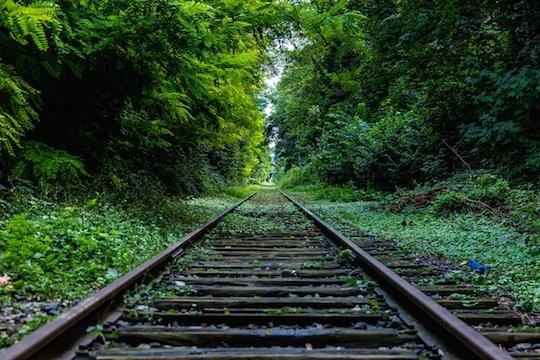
(432, 79)
(20, 25)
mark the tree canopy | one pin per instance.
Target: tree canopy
(135, 89)
(375, 93)
(386, 93)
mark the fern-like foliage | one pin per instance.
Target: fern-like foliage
(17, 108)
(48, 165)
(24, 22)
(18, 100)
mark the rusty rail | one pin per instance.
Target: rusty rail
(456, 328)
(69, 322)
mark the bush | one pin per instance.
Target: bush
(297, 176)
(482, 192)
(490, 190)
(450, 201)
(48, 165)
(398, 144)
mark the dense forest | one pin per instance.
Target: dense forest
(391, 93)
(140, 92)
(133, 93)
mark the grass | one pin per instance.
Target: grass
(60, 250)
(318, 191)
(514, 260)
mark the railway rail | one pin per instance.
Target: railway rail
(267, 279)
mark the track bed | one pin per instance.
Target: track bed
(264, 284)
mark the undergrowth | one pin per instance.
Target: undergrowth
(477, 217)
(62, 249)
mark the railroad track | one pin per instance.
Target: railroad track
(267, 279)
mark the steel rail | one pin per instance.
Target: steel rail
(459, 330)
(55, 330)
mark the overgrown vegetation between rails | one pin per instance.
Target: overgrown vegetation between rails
(55, 251)
(478, 219)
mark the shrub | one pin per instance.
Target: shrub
(450, 201)
(490, 189)
(297, 176)
(344, 256)
(482, 192)
(48, 165)
(398, 144)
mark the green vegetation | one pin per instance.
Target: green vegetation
(315, 264)
(113, 114)
(54, 248)
(381, 94)
(125, 123)
(60, 250)
(510, 251)
(135, 93)
(417, 121)
(344, 256)
(283, 310)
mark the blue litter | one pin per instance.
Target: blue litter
(477, 266)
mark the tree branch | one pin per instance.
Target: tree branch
(456, 153)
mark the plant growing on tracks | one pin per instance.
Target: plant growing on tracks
(344, 256)
(316, 264)
(283, 310)
(361, 283)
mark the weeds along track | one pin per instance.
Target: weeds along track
(489, 314)
(264, 283)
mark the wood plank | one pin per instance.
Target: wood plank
(512, 338)
(275, 257)
(274, 252)
(249, 281)
(263, 318)
(274, 353)
(480, 303)
(278, 264)
(276, 290)
(495, 318)
(446, 289)
(277, 235)
(273, 243)
(199, 336)
(261, 302)
(303, 273)
(277, 249)
(525, 355)
(265, 242)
